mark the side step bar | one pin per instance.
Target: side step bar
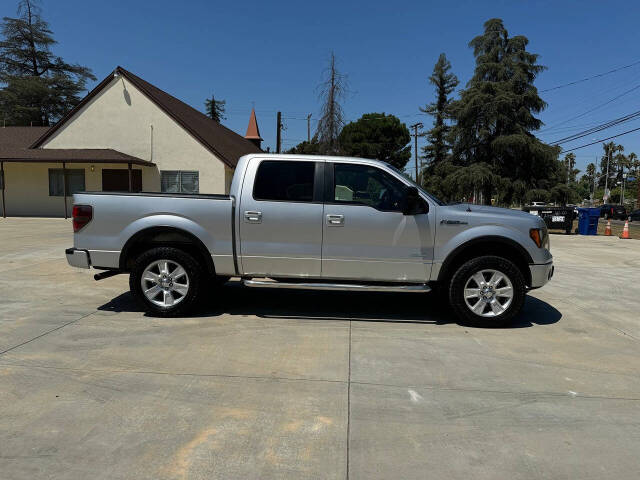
(352, 287)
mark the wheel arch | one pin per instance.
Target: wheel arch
(487, 245)
(165, 236)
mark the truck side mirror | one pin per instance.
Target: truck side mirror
(414, 203)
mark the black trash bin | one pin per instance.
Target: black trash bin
(560, 218)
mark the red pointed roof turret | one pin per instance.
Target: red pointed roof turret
(253, 133)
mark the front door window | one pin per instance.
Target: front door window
(366, 185)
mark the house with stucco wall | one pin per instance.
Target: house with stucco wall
(125, 135)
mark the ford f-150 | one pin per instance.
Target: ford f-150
(314, 222)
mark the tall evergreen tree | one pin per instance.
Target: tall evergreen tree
(495, 115)
(215, 108)
(445, 83)
(37, 86)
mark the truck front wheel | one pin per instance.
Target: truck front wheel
(166, 281)
(487, 291)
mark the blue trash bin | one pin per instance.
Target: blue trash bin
(588, 221)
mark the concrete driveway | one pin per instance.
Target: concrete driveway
(283, 384)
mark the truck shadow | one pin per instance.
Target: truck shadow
(235, 299)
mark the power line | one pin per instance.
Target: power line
(598, 75)
(598, 128)
(593, 109)
(601, 140)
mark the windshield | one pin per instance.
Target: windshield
(420, 189)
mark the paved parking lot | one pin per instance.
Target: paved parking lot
(282, 384)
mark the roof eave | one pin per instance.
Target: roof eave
(142, 163)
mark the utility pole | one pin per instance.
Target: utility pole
(606, 178)
(309, 128)
(278, 130)
(415, 127)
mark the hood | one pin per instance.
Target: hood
(488, 210)
(477, 215)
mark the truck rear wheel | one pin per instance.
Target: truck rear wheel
(487, 291)
(166, 281)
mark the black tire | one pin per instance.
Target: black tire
(194, 274)
(463, 275)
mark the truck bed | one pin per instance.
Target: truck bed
(119, 216)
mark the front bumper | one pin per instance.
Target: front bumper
(541, 274)
(78, 258)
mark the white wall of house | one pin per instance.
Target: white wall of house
(27, 187)
(121, 117)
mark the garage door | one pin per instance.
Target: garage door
(117, 180)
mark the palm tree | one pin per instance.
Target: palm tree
(570, 163)
(634, 164)
(612, 152)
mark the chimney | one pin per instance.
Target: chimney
(253, 134)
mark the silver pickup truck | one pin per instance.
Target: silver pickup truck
(312, 222)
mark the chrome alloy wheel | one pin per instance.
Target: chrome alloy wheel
(488, 293)
(165, 283)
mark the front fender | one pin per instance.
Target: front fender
(448, 242)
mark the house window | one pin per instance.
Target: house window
(179, 181)
(75, 181)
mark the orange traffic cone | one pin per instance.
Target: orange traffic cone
(625, 230)
(607, 230)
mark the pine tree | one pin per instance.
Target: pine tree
(495, 116)
(445, 83)
(37, 86)
(215, 108)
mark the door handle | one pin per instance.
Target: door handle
(252, 216)
(335, 220)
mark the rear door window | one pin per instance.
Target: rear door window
(284, 181)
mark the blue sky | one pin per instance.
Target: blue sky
(273, 53)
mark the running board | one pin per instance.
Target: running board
(352, 287)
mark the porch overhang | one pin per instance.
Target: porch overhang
(71, 155)
(66, 156)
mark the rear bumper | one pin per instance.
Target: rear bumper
(78, 258)
(541, 274)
